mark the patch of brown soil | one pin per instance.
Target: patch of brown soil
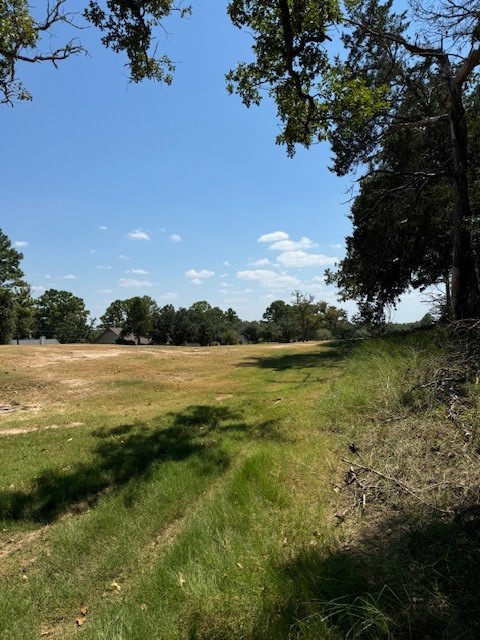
(19, 430)
(11, 545)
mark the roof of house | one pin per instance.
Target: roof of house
(129, 337)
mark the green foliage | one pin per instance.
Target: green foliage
(6, 315)
(61, 315)
(10, 271)
(139, 317)
(305, 319)
(115, 315)
(15, 301)
(18, 31)
(293, 66)
(128, 26)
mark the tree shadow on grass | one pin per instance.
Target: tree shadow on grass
(330, 354)
(133, 451)
(417, 582)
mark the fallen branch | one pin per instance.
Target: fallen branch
(398, 483)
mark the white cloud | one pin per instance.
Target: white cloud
(69, 277)
(99, 266)
(21, 243)
(196, 281)
(226, 263)
(175, 237)
(131, 282)
(38, 289)
(303, 259)
(103, 228)
(138, 235)
(93, 251)
(47, 277)
(336, 246)
(224, 275)
(291, 245)
(276, 236)
(104, 291)
(122, 257)
(169, 296)
(269, 278)
(259, 263)
(138, 272)
(199, 275)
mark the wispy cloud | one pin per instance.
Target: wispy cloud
(175, 237)
(104, 291)
(132, 282)
(122, 257)
(276, 236)
(199, 275)
(99, 266)
(226, 263)
(292, 245)
(196, 281)
(21, 243)
(138, 272)
(336, 246)
(93, 251)
(138, 235)
(259, 263)
(299, 259)
(70, 276)
(169, 295)
(269, 279)
(103, 228)
(38, 289)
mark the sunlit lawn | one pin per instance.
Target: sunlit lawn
(156, 492)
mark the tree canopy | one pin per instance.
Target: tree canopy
(399, 71)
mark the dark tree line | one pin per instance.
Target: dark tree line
(203, 324)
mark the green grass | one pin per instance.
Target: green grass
(189, 494)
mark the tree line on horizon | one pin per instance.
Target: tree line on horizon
(61, 315)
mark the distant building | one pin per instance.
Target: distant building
(33, 341)
(112, 336)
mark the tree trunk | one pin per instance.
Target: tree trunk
(465, 294)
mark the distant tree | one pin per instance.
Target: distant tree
(183, 330)
(251, 331)
(12, 287)
(279, 322)
(61, 315)
(115, 315)
(164, 324)
(23, 312)
(139, 318)
(206, 321)
(306, 314)
(6, 316)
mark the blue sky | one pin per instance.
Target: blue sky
(113, 190)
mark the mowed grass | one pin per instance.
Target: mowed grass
(162, 492)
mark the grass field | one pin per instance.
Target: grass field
(196, 493)
(159, 490)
